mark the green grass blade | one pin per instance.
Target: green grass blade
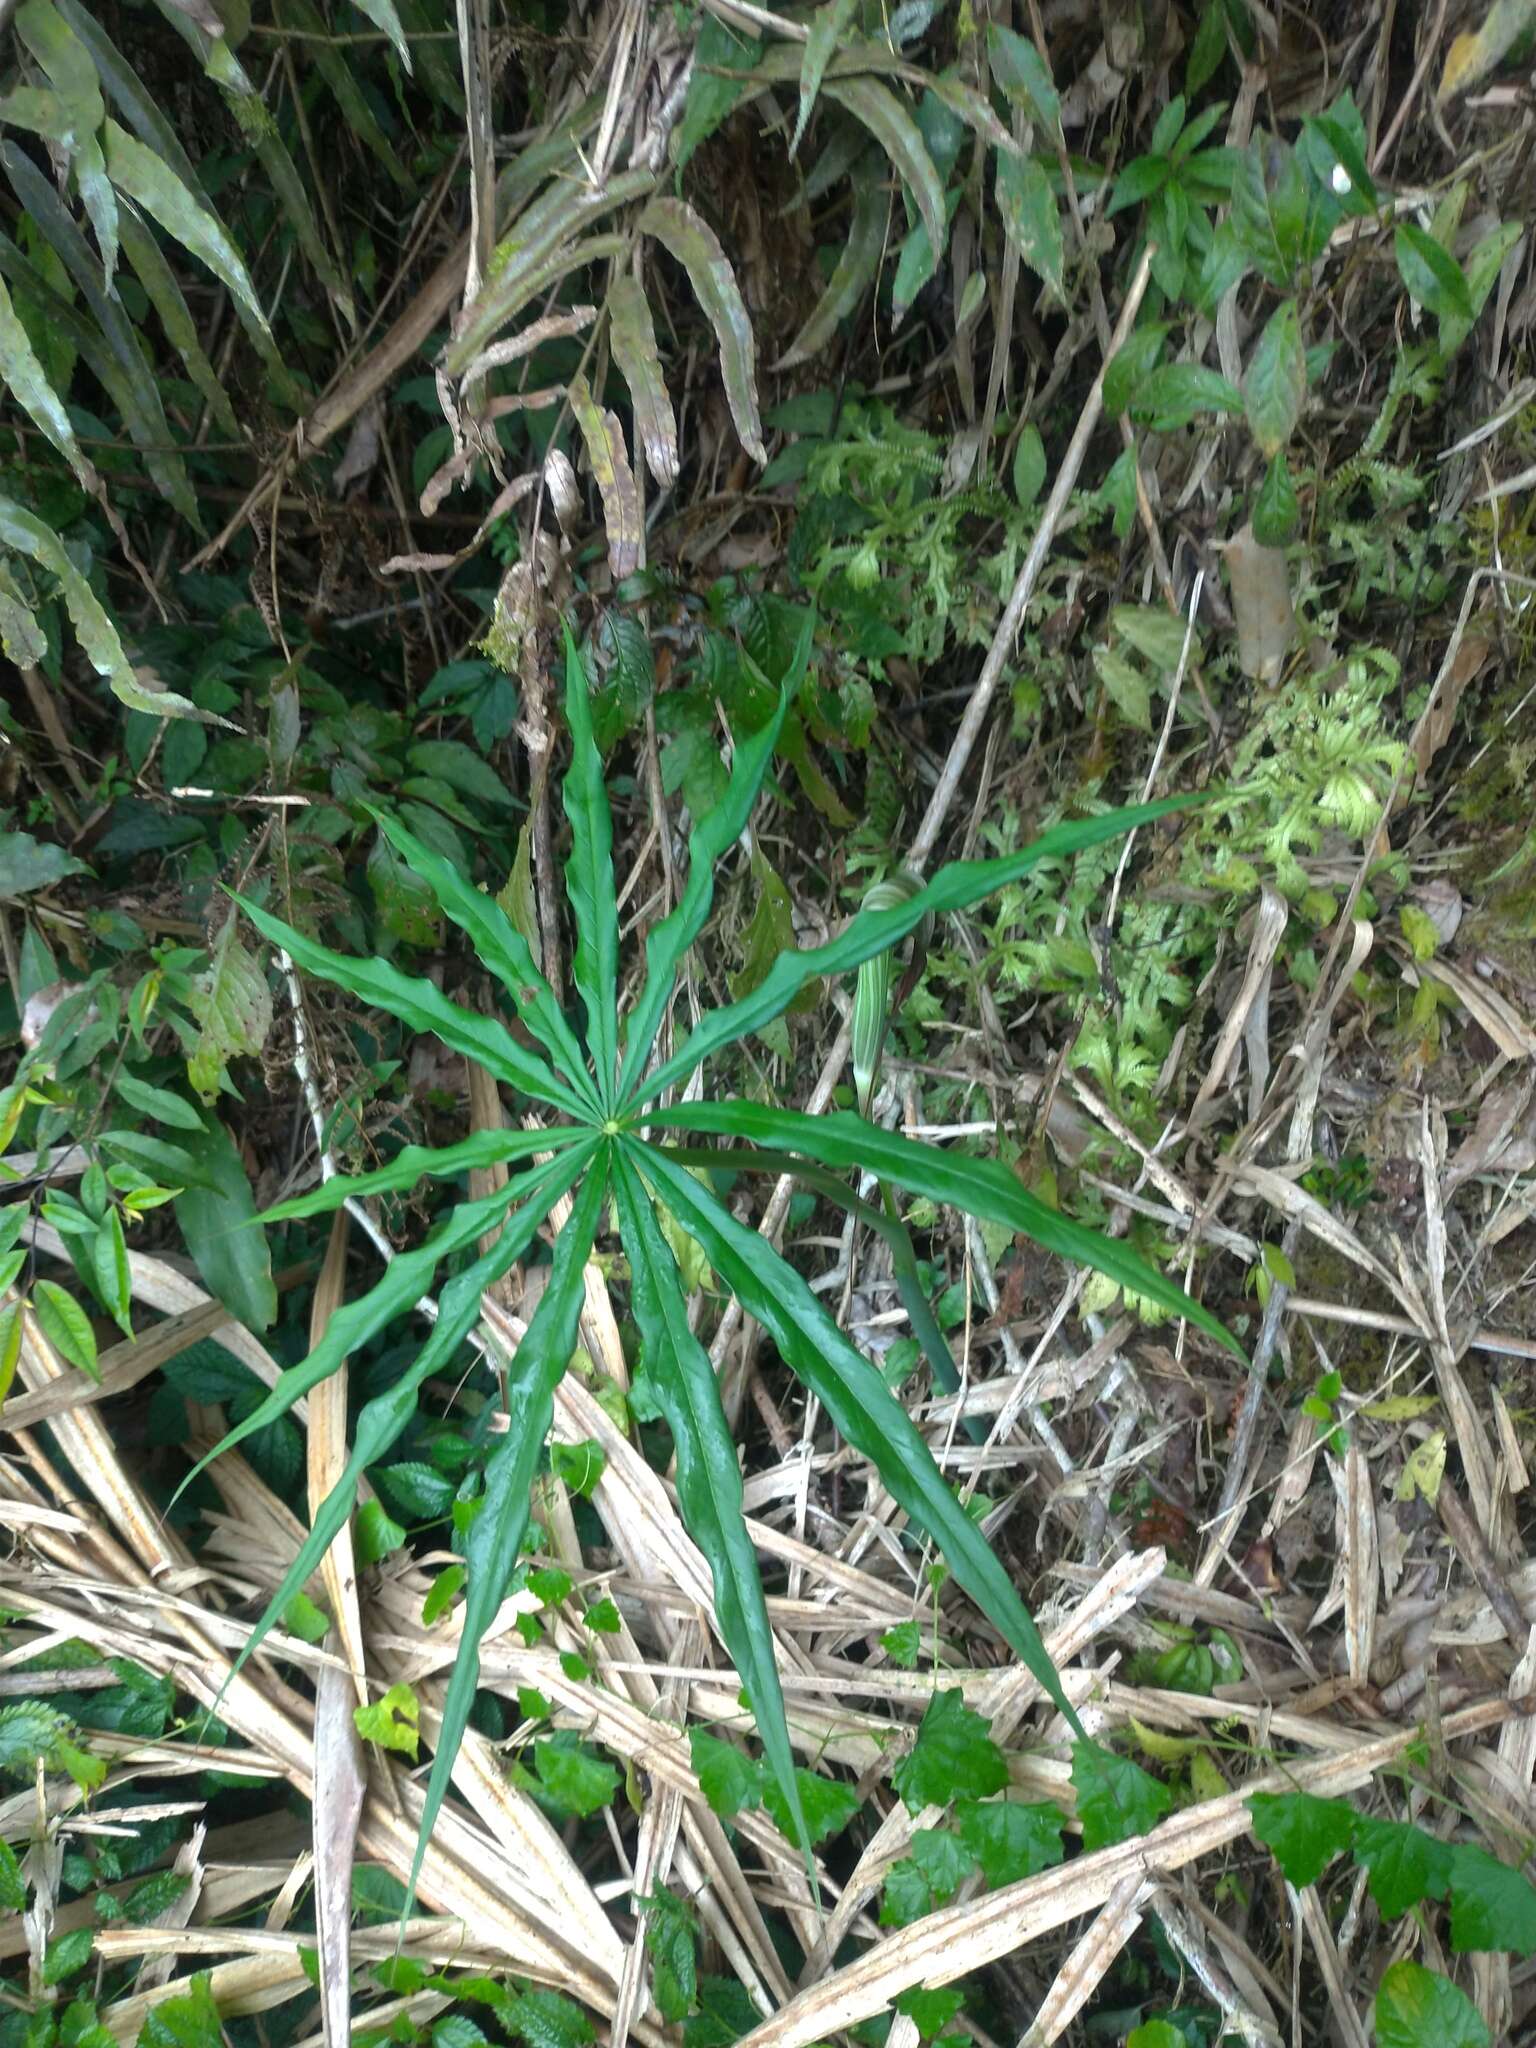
(710, 840)
(984, 1187)
(421, 1007)
(589, 880)
(861, 1406)
(386, 1415)
(708, 1479)
(953, 888)
(501, 947)
(417, 1162)
(496, 1533)
(406, 1279)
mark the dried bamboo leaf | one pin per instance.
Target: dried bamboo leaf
(603, 439)
(340, 1783)
(553, 327)
(878, 108)
(695, 246)
(537, 238)
(634, 350)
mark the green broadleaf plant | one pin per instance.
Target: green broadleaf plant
(596, 1148)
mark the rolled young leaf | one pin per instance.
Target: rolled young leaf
(711, 837)
(589, 880)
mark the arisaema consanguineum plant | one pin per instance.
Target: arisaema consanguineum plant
(604, 1102)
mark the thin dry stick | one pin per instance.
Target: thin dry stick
(1024, 588)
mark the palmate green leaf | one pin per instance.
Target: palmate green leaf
(413, 1162)
(404, 1281)
(423, 1007)
(382, 1419)
(955, 887)
(496, 1533)
(711, 838)
(502, 948)
(983, 1187)
(861, 1407)
(589, 881)
(708, 1478)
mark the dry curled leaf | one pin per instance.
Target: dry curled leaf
(633, 335)
(684, 236)
(1260, 579)
(603, 439)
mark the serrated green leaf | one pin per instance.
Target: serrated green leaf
(709, 1487)
(232, 1006)
(826, 1804)
(1276, 513)
(1126, 686)
(417, 1002)
(930, 2011)
(393, 1721)
(1304, 1834)
(711, 838)
(1116, 1798)
(696, 247)
(1417, 2008)
(1024, 77)
(723, 56)
(954, 1756)
(153, 185)
(589, 881)
(731, 1782)
(1493, 1907)
(953, 888)
(1276, 382)
(1130, 365)
(13, 1888)
(829, 26)
(669, 1942)
(29, 386)
(66, 1326)
(21, 530)
(1010, 1838)
(572, 1778)
(1405, 1863)
(382, 14)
